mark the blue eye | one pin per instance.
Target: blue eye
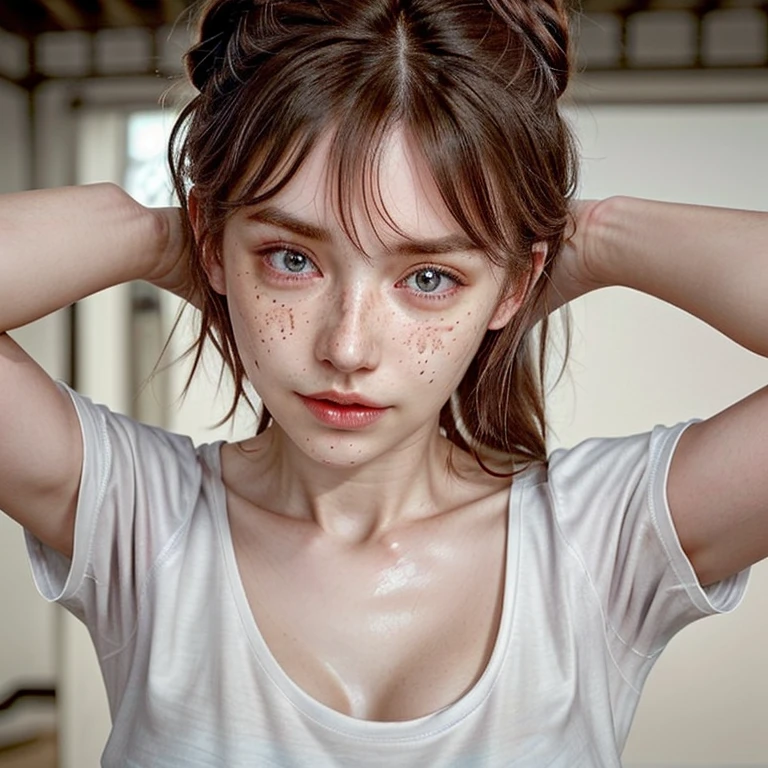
(430, 280)
(293, 262)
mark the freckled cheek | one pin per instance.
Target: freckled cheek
(265, 325)
(438, 354)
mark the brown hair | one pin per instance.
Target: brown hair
(475, 84)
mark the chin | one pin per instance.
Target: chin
(332, 457)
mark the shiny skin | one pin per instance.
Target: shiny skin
(373, 570)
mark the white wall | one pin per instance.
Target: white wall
(637, 362)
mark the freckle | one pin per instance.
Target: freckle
(274, 301)
(283, 338)
(331, 447)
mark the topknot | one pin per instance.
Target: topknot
(545, 24)
(219, 21)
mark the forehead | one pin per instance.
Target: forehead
(395, 197)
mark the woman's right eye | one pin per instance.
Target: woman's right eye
(290, 262)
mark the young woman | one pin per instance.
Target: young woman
(376, 204)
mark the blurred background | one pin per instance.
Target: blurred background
(670, 102)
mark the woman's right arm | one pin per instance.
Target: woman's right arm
(56, 247)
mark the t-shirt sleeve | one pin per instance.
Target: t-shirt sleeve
(611, 506)
(137, 491)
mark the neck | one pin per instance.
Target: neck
(368, 501)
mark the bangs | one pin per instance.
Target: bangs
(490, 150)
(354, 169)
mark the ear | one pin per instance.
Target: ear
(211, 262)
(512, 300)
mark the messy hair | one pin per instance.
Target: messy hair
(474, 84)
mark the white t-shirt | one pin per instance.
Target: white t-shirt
(596, 585)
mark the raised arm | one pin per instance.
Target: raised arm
(713, 263)
(58, 246)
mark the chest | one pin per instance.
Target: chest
(389, 632)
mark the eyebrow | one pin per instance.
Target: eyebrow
(409, 247)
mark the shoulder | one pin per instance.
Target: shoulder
(608, 487)
(611, 462)
(124, 455)
(101, 425)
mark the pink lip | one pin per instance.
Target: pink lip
(342, 411)
(340, 398)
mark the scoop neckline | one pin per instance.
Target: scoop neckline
(377, 730)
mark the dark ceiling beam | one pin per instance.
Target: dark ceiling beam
(629, 7)
(65, 13)
(172, 10)
(636, 6)
(120, 13)
(10, 80)
(19, 23)
(705, 6)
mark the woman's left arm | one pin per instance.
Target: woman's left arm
(713, 263)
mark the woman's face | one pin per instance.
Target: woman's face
(354, 355)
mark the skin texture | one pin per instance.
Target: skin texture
(357, 323)
(373, 570)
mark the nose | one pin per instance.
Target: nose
(349, 335)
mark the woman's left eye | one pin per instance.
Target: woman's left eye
(431, 281)
(290, 262)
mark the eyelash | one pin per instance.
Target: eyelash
(275, 249)
(443, 272)
(440, 270)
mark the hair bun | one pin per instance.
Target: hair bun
(219, 20)
(545, 23)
